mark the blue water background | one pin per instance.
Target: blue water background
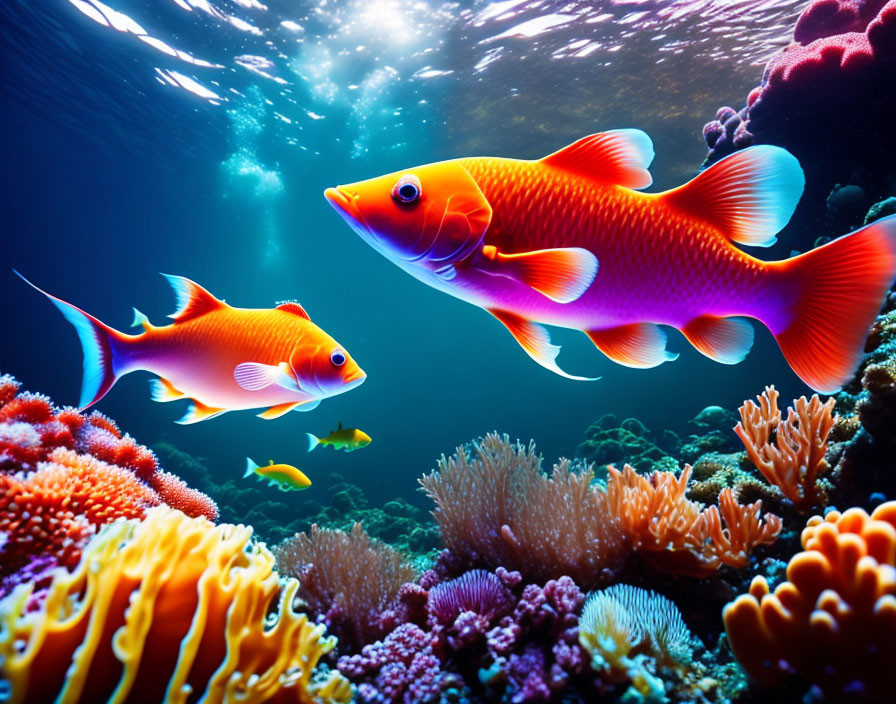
(111, 175)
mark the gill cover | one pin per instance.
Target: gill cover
(446, 223)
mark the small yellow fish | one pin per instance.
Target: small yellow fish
(347, 439)
(283, 476)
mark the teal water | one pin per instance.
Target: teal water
(123, 160)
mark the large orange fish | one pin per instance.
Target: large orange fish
(220, 357)
(566, 241)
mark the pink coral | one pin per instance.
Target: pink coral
(497, 506)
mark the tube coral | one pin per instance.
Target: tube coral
(497, 507)
(833, 621)
(166, 609)
(796, 459)
(346, 578)
(680, 535)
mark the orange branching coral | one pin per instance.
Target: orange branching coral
(169, 609)
(174, 492)
(498, 507)
(348, 578)
(795, 460)
(52, 510)
(833, 621)
(680, 535)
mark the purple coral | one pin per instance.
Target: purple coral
(477, 591)
(827, 98)
(399, 669)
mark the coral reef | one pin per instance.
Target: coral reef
(833, 622)
(164, 610)
(679, 535)
(609, 441)
(495, 507)
(63, 475)
(795, 460)
(398, 522)
(843, 56)
(347, 579)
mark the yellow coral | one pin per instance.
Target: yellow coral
(629, 632)
(161, 610)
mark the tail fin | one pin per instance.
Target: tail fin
(250, 468)
(313, 441)
(102, 347)
(839, 289)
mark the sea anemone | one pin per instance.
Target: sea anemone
(167, 609)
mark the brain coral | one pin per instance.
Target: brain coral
(168, 609)
(833, 622)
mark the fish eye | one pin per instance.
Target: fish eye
(337, 357)
(407, 189)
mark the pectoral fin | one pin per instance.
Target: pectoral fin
(284, 408)
(534, 339)
(640, 345)
(562, 274)
(198, 411)
(255, 376)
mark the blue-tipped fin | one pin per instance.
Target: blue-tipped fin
(313, 441)
(102, 347)
(198, 412)
(250, 468)
(750, 195)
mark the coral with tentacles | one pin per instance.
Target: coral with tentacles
(795, 460)
(347, 579)
(678, 534)
(496, 507)
(166, 609)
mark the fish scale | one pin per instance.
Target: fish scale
(220, 357)
(569, 241)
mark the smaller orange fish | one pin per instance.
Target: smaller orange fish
(220, 357)
(284, 477)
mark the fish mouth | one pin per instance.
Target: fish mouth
(344, 201)
(355, 379)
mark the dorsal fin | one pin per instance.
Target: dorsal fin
(749, 195)
(293, 307)
(192, 299)
(620, 157)
(340, 426)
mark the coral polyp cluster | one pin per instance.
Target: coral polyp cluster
(169, 608)
(833, 622)
(63, 475)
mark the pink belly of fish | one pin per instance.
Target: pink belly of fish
(210, 381)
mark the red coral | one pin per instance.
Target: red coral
(56, 509)
(63, 474)
(174, 492)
